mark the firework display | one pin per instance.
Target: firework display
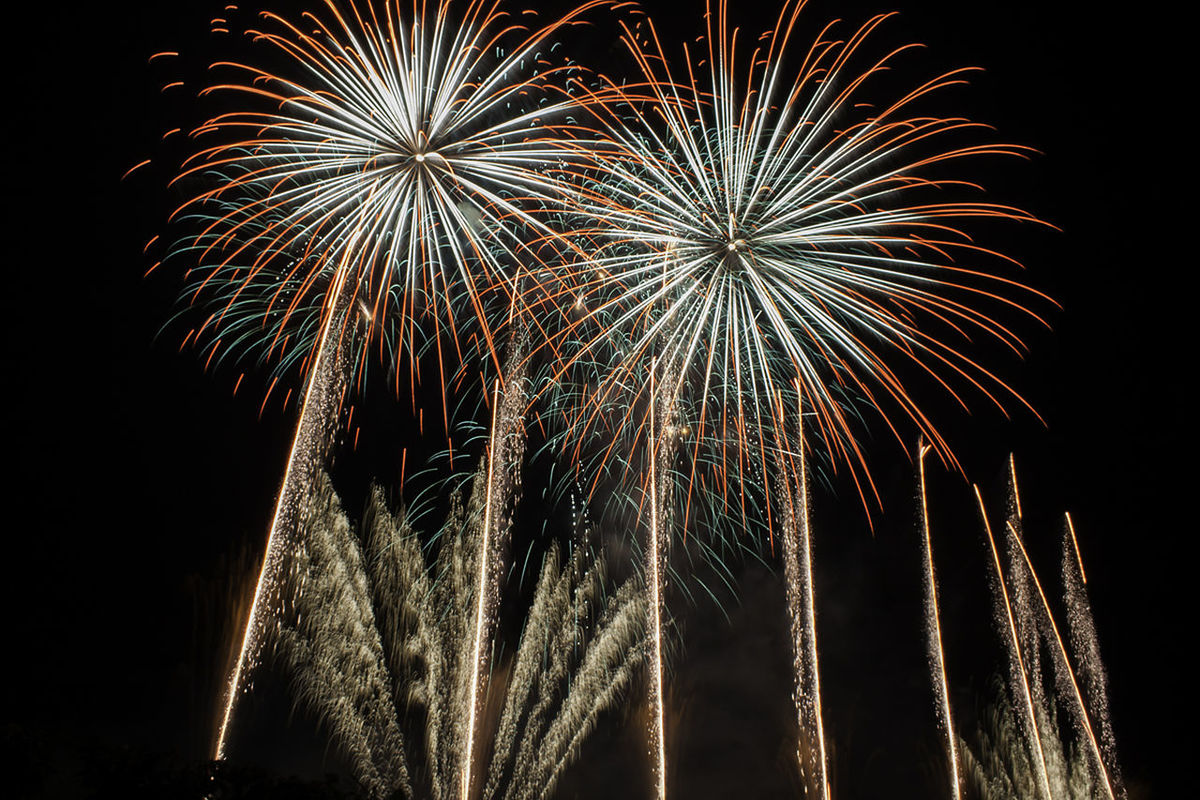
(687, 289)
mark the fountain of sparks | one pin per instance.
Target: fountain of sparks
(375, 636)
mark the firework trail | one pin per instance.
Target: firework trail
(373, 635)
(308, 450)
(933, 632)
(1018, 675)
(1026, 753)
(1085, 645)
(384, 169)
(506, 447)
(797, 554)
(660, 451)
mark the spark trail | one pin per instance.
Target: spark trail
(933, 630)
(656, 555)
(1029, 752)
(326, 383)
(797, 552)
(1085, 644)
(484, 605)
(1017, 672)
(506, 445)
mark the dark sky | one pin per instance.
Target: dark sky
(139, 477)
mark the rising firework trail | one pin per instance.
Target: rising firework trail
(493, 543)
(933, 632)
(309, 445)
(484, 605)
(797, 554)
(386, 167)
(656, 558)
(1030, 752)
(1018, 675)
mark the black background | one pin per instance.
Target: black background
(138, 477)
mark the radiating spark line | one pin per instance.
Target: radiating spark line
(1014, 651)
(1066, 663)
(934, 627)
(482, 587)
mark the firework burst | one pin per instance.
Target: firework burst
(772, 242)
(394, 155)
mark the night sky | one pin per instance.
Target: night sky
(142, 482)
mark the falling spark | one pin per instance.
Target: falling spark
(934, 628)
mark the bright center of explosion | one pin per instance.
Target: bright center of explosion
(731, 254)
